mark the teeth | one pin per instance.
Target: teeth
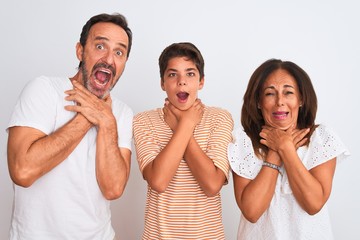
(100, 83)
(105, 71)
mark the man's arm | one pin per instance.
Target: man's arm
(112, 163)
(32, 153)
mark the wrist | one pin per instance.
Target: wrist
(272, 165)
(273, 157)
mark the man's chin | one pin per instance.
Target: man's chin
(100, 94)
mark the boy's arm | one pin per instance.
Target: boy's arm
(209, 177)
(160, 171)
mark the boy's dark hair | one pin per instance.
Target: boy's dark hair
(115, 18)
(182, 49)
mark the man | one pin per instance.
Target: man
(69, 144)
(182, 152)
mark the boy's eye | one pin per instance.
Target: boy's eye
(191, 74)
(172, 74)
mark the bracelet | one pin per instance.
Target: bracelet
(271, 165)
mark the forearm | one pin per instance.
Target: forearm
(162, 169)
(256, 196)
(31, 154)
(112, 166)
(306, 188)
(209, 177)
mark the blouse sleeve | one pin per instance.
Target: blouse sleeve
(242, 158)
(325, 145)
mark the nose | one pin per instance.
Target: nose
(109, 58)
(280, 100)
(181, 81)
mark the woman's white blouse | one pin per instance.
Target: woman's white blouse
(285, 219)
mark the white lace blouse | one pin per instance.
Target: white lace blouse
(285, 219)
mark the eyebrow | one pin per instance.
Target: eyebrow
(106, 39)
(176, 70)
(285, 86)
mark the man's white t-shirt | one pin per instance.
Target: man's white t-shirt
(65, 203)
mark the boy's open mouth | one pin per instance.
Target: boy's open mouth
(182, 95)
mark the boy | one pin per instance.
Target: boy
(182, 152)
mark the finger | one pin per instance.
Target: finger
(265, 130)
(81, 89)
(263, 135)
(74, 95)
(73, 108)
(264, 142)
(108, 100)
(301, 143)
(302, 133)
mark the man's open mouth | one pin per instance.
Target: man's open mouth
(102, 76)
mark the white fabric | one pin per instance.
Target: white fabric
(65, 203)
(285, 219)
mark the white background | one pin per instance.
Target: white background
(38, 37)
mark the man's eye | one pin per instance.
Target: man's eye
(119, 53)
(172, 75)
(100, 46)
(191, 74)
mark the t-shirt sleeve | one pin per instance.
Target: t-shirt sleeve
(242, 158)
(219, 141)
(124, 119)
(144, 140)
(325, 145)
(36, 106)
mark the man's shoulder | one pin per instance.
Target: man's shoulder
(49, 82)
(116, 102)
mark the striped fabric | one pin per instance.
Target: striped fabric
(183, 211)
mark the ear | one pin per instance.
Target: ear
(79, 51)
(162, 84)
(201, 83)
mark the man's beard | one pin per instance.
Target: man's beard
(87, 83)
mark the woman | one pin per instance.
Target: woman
(283, 164)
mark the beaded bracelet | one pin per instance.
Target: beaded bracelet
(271, 165)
